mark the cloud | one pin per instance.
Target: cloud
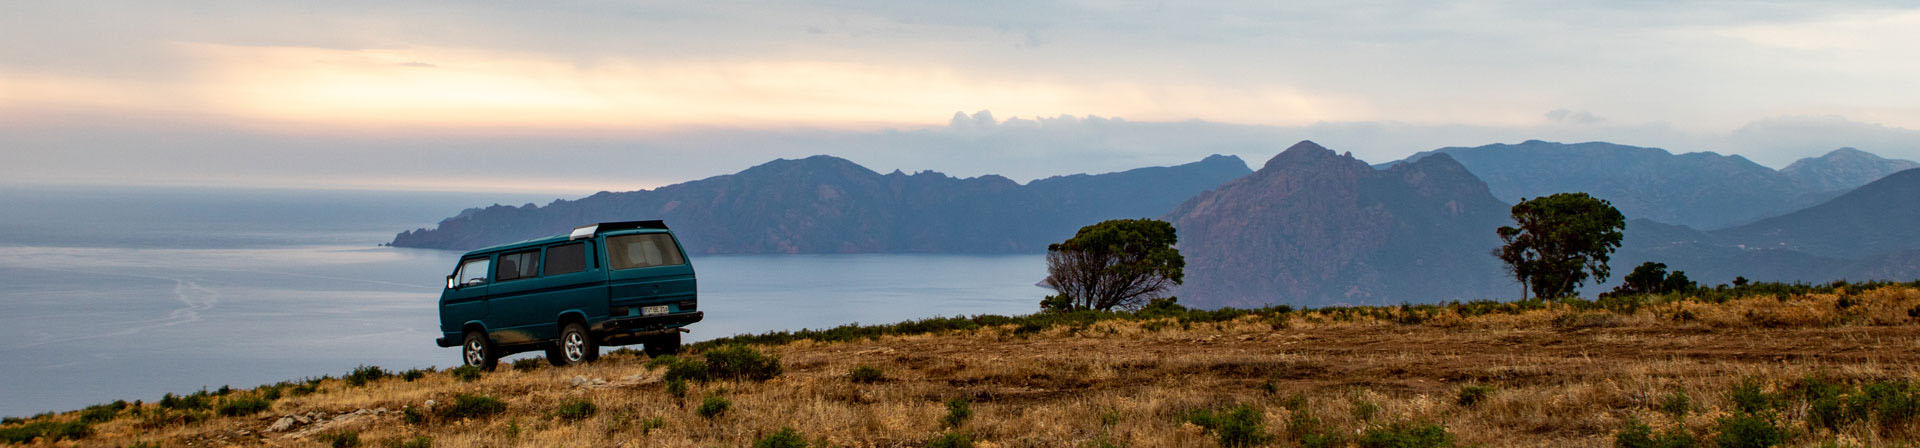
(1564, 116)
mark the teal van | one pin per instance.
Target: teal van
(613, 283)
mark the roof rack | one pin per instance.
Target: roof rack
(590, 230)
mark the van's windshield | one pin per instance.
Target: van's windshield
(472, 272)
(643, 250)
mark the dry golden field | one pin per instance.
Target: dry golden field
(1818, 369)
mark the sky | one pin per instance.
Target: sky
(570, 98)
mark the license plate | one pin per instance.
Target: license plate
(653, 310)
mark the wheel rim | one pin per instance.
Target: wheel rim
(476, 353)
(575, 346)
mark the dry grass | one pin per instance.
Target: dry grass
(1558, 376)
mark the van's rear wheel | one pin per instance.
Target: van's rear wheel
(663, 344)
(576, 346)
(478, 351)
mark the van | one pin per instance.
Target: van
(607, 284)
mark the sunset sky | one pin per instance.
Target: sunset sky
(585, 96)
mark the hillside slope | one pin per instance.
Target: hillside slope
(1711, 369)
(824, 204)
(1876, 219)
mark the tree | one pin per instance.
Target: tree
(1121, 263)
(1653, 278)
(1559, 241)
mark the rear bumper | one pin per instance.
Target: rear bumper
(444, 341)
(649, 324)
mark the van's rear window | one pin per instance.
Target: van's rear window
(566, 259)
(643, 250)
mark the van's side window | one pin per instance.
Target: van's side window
(472, 272)
(643, 250)
(518, 265)
(566, 258)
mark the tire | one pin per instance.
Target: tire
(478, 351)
(576, 346)
(662, 345)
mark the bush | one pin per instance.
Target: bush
(362, 375)
(465, 374)
(1236, 426)
(1677, 404)
(951, 440)
(528, 365)
(102, 412)
(575, 410)
(243, 406)
(1639, 435)
(46, 430)
(413, 374)
(740, 362)
(1749, 430)
(473, 406)
(958, 411)
(196, 401)
(1749, 398)
(412, 416)
(651, 424)
(677, 387)
(1364, 410)
(785, 438)
(865, 374)
(416, 442)
(339, 439)
(1403, 435)
(1473, 394)
(714, 406)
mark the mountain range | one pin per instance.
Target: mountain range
(1311, 227)
(1701, 190)
(824, 204)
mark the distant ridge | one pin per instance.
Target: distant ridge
(825, 204)
(1701, 190)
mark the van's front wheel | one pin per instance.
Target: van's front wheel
(663, 344)
(576, 346)
(477, 351)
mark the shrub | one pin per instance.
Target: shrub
(714, 406)
(465, 374)
(740, 362)
(528, 365)
(677, 387)
(362, 375)
(954, 439)
(1748, 397)
(162, 418)
(1891, 404)
(102, 412)
(1677, 404)
(412, 416)
(413, 374)
(575, 410)
(1403, 435)
(1473, 394)
(1639, 435)
(651, 424)
(1749, 430)
(1236, 426)
(679, 368)
(785, 438)
(958, 411)
(865, 374)
(242, 406)
(46, 430)
(195, 401)
(1364, 410)
(473, 406)
(416, 442)
(339, 439)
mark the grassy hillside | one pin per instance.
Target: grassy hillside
(1767, 365)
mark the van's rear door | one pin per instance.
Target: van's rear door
(649, 275)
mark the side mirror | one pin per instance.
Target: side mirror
(451, 284)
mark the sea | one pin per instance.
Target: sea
(111, 293)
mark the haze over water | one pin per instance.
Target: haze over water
(121, 293)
